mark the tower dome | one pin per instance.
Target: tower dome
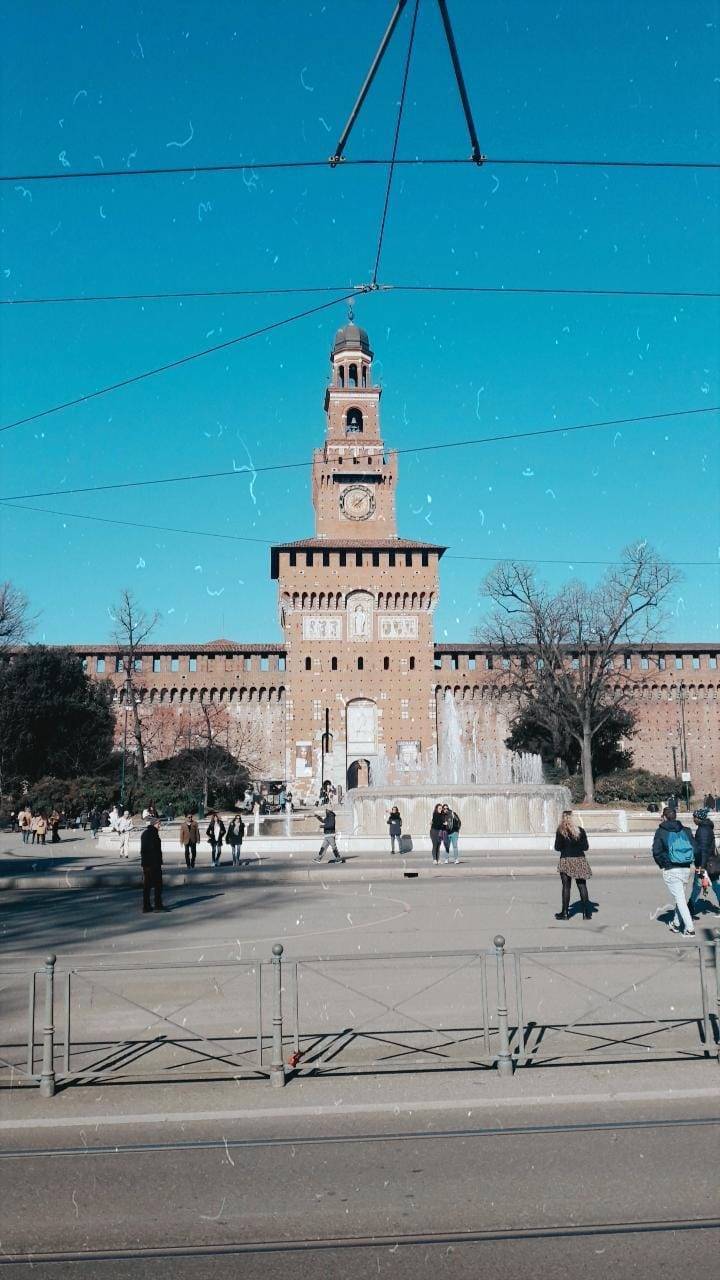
(352, 338)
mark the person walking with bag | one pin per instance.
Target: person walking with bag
(215, 834)
(394, 822)
(674, 852)
(235, 833)
(707, 862)
(571, 843)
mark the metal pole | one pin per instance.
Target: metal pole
(337, 157)
(277, 1066)
(476, 152)
(122, 772)
(504, 1057)
(717, 981)
(47, 1079)
(31, 1027)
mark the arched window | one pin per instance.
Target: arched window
(360, 664)
(352, 376)
(354, 422)
(341, 374)
(308, 664)
(364, 375)
(386, 664)
(333, 664)
(412, 664)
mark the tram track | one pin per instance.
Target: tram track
(344, 1242)
(334, 1140)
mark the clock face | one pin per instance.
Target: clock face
(357, 502)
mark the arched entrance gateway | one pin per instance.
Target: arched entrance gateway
(361, 738)
(358, 774)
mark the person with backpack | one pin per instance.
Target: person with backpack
(454, 825)
(707, 862)
(674, 852)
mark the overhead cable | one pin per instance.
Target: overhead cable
(380, 288)
(266, 542)
(263, 469)
(177, 363)
(374, 162)
(396, 138)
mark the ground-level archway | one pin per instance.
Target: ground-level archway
(358, 774)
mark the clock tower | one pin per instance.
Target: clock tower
(353, 476)
(356, 606)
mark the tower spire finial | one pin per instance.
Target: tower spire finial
(351, 312)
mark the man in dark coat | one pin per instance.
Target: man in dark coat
(329, 839)
(151, 861)
(706, 861)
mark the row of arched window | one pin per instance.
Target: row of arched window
(227, 696)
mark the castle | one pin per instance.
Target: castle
(359, 690)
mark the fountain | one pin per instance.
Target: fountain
(495, 792)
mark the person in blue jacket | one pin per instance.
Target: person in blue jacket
(674, 852)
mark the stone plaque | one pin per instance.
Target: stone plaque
(408, 756)
(319, 628)
(398, 627)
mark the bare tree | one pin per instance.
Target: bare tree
(561, 650)
(16, 622)
(132, 628)
(212, 727)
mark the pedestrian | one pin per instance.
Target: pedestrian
(394, 822)
(447, 826)
(235, 833)
(674, 852)
(151, 861)
(189, 837)
(114, 818)
(14, 825)
(25, 821)
(54, 821)
(453, 836)
(438, 828)
(41, 825)
(707, 863)
(84, 819)
(571, 843)
(329, 840)
(95, 821)
(215, 833)
(124, 828)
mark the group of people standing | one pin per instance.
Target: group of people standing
(34, 827)
(216, 834)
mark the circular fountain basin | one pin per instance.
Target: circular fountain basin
(513, 809)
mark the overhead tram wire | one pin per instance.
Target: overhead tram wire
(396, 139)
(602, 424)
(371, 162)
(181, 360)
(266, 542)
(510, 290)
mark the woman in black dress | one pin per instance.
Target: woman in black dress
(571, 843)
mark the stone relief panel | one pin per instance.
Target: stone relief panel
(409, 756)
(360, 608)
(361, 728)
(322, 628)
(399, 627)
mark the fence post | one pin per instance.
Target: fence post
(277, 1066)
(504, 1056)
(47, 1078)
(717, 982)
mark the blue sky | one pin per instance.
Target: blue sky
(143, 85)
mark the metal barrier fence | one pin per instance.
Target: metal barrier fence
(278, 1019)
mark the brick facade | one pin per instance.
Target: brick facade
(359, 689)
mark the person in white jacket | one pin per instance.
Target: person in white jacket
(125, 826)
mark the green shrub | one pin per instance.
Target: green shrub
(637, 786)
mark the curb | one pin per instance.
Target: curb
(302, 875)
